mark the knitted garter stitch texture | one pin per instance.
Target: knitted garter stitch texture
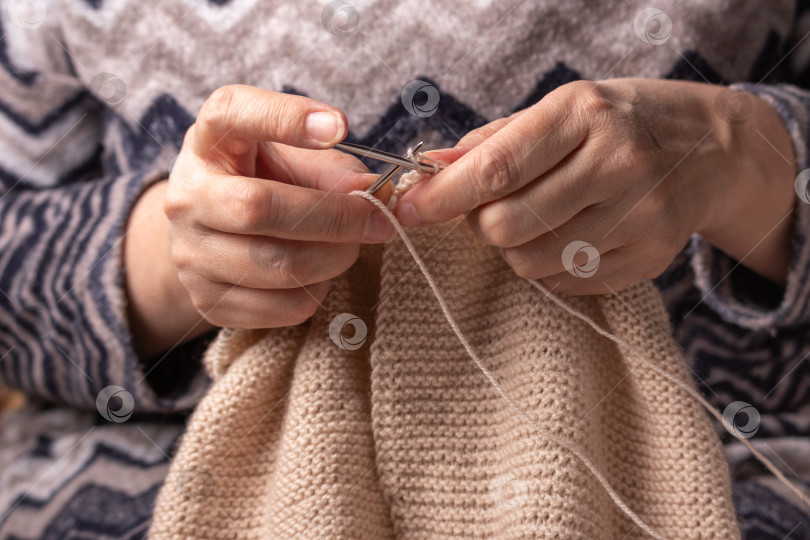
(404, 437)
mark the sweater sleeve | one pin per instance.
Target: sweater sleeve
(64, 205)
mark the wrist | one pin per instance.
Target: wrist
(751, 215)
(159, 310)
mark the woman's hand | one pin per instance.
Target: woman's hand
(259, 216)
(631, 168)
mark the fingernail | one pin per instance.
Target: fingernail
(325, 127)
(437, 151)
(378, 228)
(369, 178)
(408, 215)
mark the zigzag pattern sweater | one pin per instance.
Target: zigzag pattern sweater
(75, 154)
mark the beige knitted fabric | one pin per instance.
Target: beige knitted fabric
(405, 438)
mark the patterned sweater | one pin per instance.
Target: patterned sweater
(95, 97)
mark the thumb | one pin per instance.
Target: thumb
(247, 113)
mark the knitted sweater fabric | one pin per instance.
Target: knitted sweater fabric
(406, 438)
(74, 159)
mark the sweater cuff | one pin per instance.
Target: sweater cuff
(742, 297)
(737, 294)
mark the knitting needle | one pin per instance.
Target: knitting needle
(387, 157)
(392, 170)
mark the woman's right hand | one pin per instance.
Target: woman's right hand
(259, 213)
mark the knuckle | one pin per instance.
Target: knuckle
(208, 299)
(594, 108)
(217, 109)
(496, 225)
(174, 205)
(521, 264)
(578, 86)
(279, 113)
(338, 220)
(182, 258)
(524, 271)
(481, 133)
(650, 247)
(565, 94)
(217, 319)
(190, 135)
(177, 203)
(571, 94)
(250, 206)
(205, 304)
(185, 249)
(477, 135)
(444, 206)
(497, 170)
(289, 272)
(304, 307)
(595, 98)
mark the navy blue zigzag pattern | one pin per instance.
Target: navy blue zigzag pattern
(101, 512)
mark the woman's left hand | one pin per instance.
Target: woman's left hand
(608, 181)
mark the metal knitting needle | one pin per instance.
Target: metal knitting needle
(387, 157)
(391, 171)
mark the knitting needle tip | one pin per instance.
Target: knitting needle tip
(392, 170)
